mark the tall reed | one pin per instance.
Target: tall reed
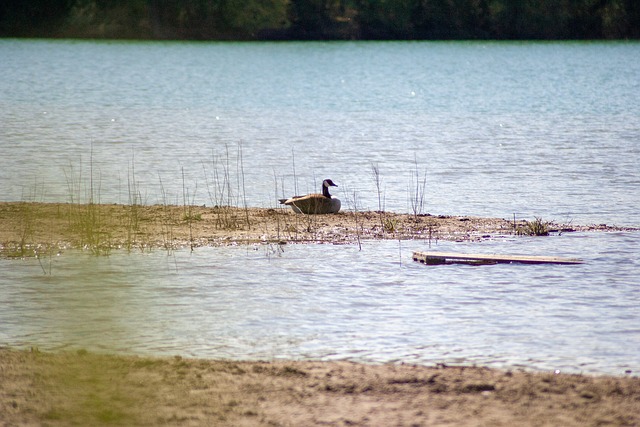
(220, 188)
(27, 215)
(166, 221)
(351, 199)
(285, 228)
(417, 190)
(133, 209)
(375, 174)
(84, 215)
(188, 204)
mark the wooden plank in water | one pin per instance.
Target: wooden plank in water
(432, 258)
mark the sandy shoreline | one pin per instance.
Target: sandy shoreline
(81, 388)
(26, 228)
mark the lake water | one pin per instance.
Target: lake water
(547, 130)
(335, 302)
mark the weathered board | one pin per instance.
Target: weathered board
(434, 258)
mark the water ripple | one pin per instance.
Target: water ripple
(335, 302)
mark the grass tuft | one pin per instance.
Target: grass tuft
(537, 227)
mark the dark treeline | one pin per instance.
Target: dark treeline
(322, 19)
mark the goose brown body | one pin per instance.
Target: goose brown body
(313, 204)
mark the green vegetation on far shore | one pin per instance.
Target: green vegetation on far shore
(322, 19)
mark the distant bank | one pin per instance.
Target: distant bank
(322, 19)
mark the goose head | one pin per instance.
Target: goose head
(325, 187)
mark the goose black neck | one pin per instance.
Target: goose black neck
(325, 191)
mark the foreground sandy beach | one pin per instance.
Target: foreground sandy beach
(81, 388)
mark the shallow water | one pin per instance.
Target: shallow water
(548, 130)
(335, 302)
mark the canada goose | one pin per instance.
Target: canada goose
(314, 203)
